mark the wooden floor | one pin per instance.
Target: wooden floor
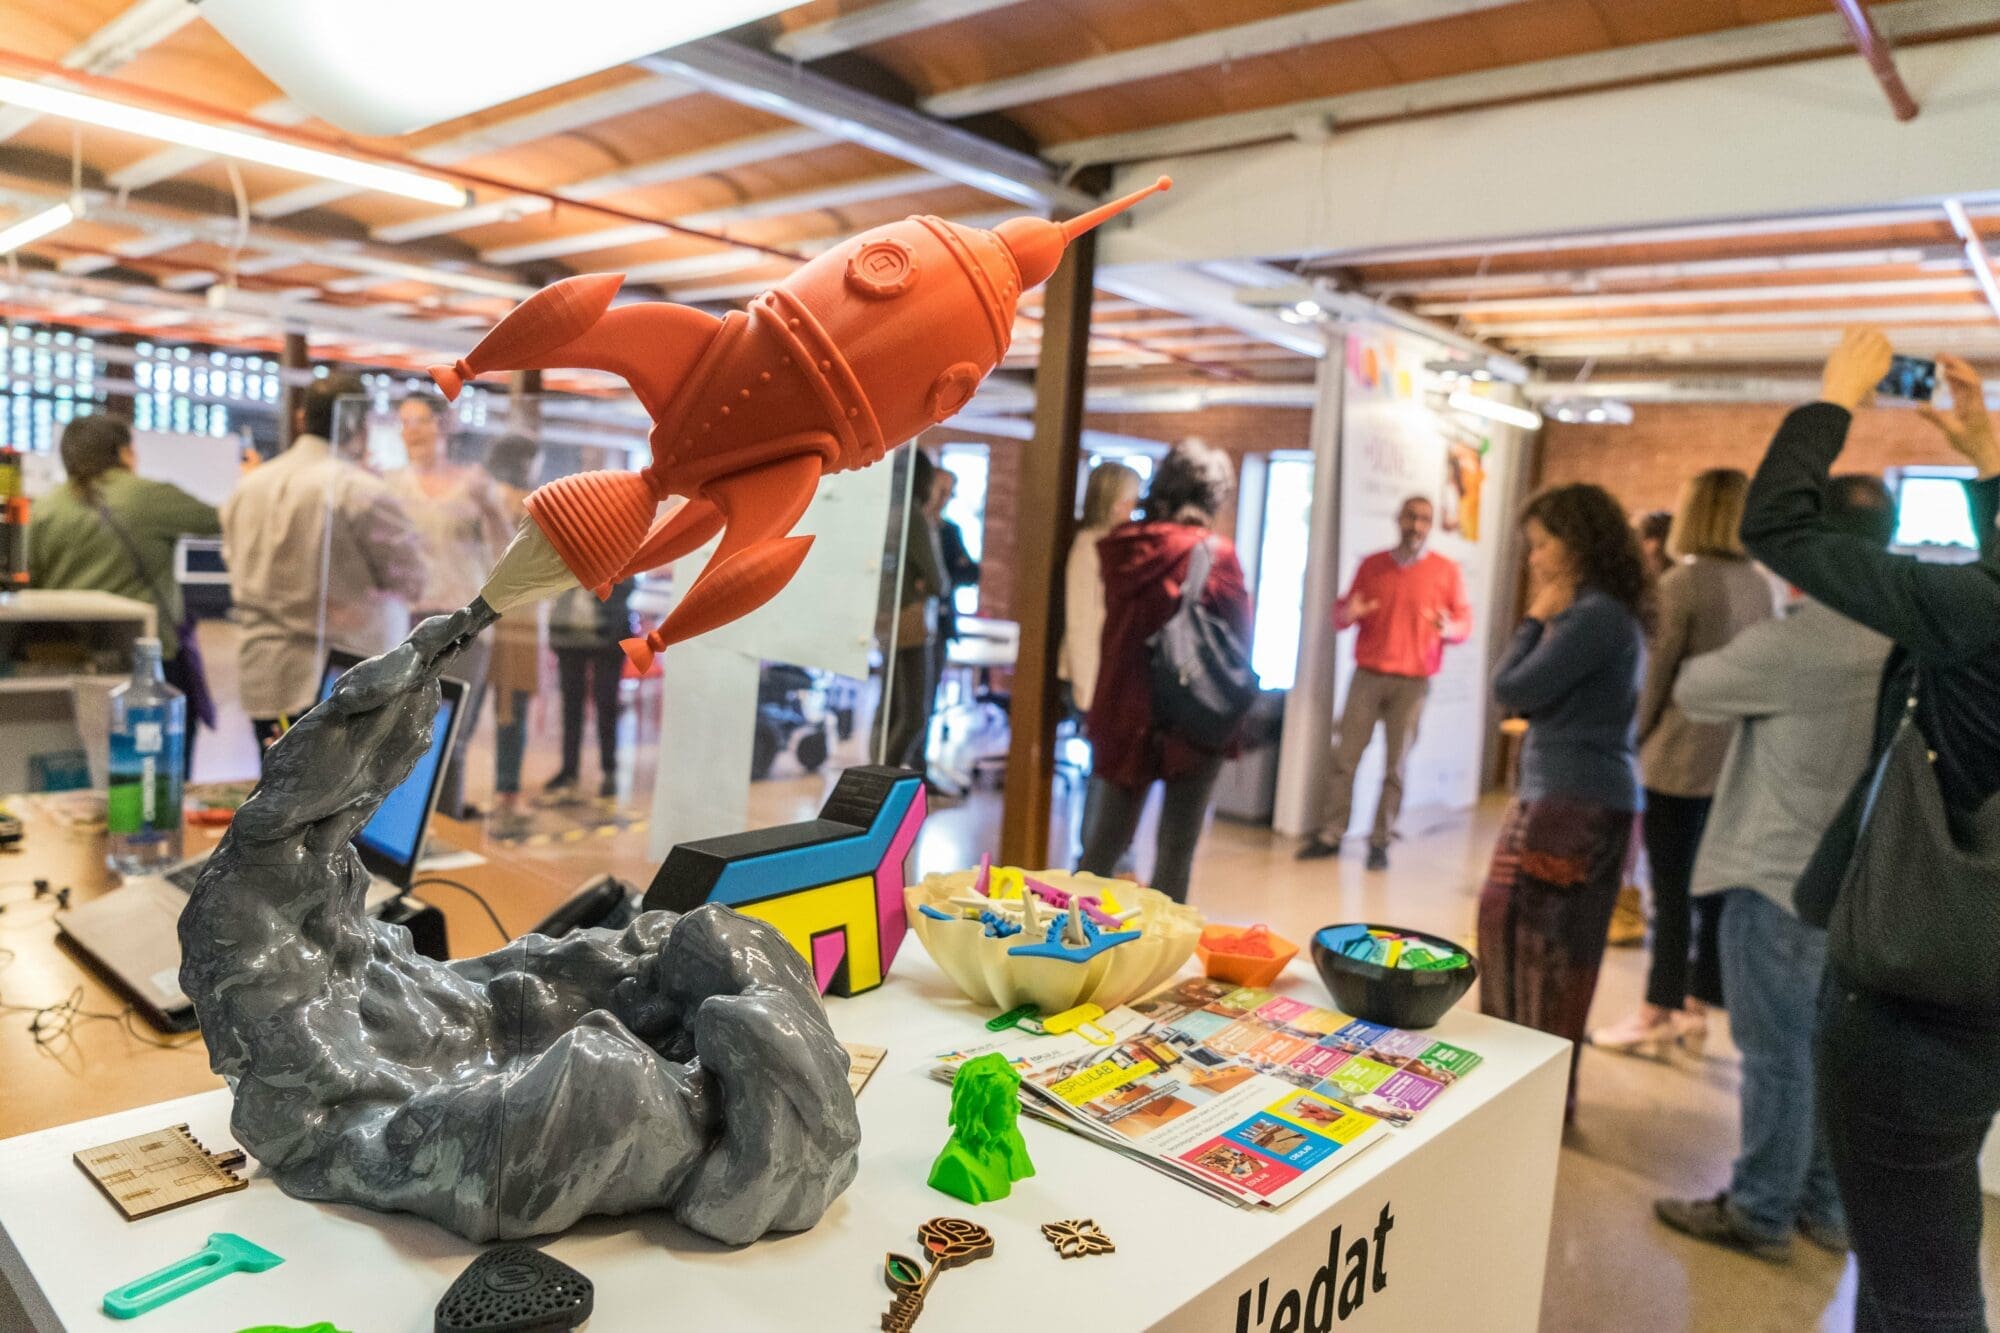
(1643, 1129)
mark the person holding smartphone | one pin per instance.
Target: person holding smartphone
(1905, 1150)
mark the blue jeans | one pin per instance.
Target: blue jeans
(1772, 964)
(510, 746)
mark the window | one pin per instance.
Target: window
(1280, 589)
(47, 377)
(1934, 515)
(970, 464)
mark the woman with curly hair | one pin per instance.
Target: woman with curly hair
(1573, 671)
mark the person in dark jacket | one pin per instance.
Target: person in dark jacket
(1573, 670)
(1907, 1091)
(1144, 564)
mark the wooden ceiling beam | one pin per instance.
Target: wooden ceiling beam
(1976, 259)
(727, 156)
(144, 24)
(1934, 316)
(541, 123)
(1753, 44)
(1586, 303)
(1475, 285)
(840, 194)
(1217, 46)
(878, 23)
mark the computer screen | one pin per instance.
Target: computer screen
(1933, 516)
(392, 841)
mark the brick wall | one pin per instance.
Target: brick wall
(1644, 464)
(1237, 430)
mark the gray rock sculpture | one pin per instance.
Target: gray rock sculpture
(683, 1063)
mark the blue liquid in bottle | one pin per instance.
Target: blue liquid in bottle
(148, 729)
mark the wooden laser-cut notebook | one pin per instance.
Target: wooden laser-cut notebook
(164, 1169)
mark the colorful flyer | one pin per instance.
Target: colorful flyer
(1241, 1168)
(1359, 1075)
(1446, 1063)
(1296, 1147)
(1282, 1010)
(1357, 1036)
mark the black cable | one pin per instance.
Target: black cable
(49, 1025)
(491, 915)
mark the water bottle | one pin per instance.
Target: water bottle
(148, 729)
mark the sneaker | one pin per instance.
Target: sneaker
(1829, 1236)
(561, 782)
(1378, 858)
(1316, 849)
(607, 789)
(1717, 1222)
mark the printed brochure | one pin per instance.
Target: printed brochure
(1247, 1095)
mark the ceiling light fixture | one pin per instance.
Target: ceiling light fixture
(35, 226)
(222, 142)
(371, 66)
(1494, 410)
(1582, 410)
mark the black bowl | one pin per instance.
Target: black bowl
(1395, 997)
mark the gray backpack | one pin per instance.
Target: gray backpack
(1202, 680)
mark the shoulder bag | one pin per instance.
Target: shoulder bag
(1918, 916)
(1200, 667)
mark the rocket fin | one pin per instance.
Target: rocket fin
(673, 536)
(754, 560)
(652, 345)
(727, 590)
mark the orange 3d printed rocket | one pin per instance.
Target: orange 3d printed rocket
(855, 353)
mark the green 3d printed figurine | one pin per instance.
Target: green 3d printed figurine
(985, 1154)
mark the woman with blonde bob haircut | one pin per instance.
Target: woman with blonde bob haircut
(1709, 519)
(1710, 594)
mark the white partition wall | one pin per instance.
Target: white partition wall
(1396, 439)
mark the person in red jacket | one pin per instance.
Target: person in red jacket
(1409, 603)
(1143, 565)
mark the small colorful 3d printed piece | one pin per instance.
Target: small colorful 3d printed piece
(1077, 1238)
(515, 1287)
(985, 1154)
(832, 886)
(949, 1242)
(1011, 1018)
(224, 1254)
(1081, 1020)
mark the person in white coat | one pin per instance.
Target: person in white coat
(321, 555)
(1800, 692)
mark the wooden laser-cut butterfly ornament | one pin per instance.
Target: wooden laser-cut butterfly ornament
(1077, 1238)
(949, 1242)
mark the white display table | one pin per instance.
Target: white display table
(1467, 1193)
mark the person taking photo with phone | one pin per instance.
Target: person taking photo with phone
(1907, 878)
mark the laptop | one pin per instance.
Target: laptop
(130, 935)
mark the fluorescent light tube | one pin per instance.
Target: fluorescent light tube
(224, 142)
(383, 67)
(1494, 410)
(35, 226)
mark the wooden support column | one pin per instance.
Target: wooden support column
(294, 356)
(1047, 510)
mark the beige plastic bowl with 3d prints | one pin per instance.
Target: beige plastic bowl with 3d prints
(980, 963)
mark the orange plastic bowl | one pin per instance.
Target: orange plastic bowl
(1247, 956)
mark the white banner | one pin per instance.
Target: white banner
(1398, 440)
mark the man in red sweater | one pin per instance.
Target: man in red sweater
(1409, 605)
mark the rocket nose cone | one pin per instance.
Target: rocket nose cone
(1037, 246)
